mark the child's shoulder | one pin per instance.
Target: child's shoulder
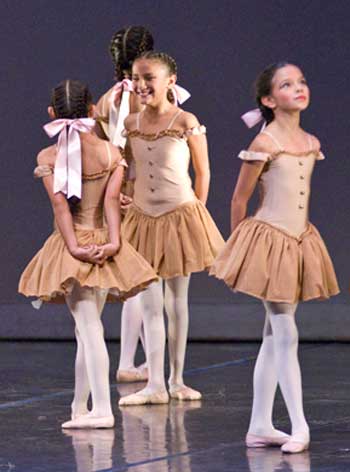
(187, 120)
(47, 156)
(262, 143)
(130, 121)
(315, 142)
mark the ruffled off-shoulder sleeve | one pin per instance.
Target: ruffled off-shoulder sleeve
(197, 130)
(43, 171)
(254, 156)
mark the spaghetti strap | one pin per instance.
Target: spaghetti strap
(109, 154)
(138, 121)
(310, 142)
(280, 148)
(174, 119)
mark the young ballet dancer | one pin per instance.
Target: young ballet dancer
(84, 259)
(277, 255)
(167, 222)
(111, 110)
(113, 107)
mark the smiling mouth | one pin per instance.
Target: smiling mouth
(301, 97)
(144, 94)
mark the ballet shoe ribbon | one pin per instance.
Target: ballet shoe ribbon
(180, 94)
(252, 117)
(119, 110)
(67, 174)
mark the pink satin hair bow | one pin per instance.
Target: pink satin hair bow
(67, 174)
(118, 89)
(180, 94)
(252, 117)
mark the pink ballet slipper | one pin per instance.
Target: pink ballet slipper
(255, 440)
(184, 393)
(297, 443)
(140, 398)
(132, 375)
(90, 422)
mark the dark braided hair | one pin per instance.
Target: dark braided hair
(71, 99)
(166, 60)
(263, 85)
(126, 45)
(163, 58)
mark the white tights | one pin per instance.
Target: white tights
(175, 300)
(131, 331)
(92, 361)
(278, 363)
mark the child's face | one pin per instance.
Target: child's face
(289, 91)
(151, 81)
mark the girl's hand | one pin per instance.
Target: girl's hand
(89, 254)
(125, 201)
(105, 251)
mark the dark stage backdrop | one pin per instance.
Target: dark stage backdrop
(220, 47)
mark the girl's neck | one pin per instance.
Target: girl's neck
(157, 111)
(287, 122)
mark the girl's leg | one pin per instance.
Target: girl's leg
(153, 319)
(176, 307)
(85, 305)
(82, 387)
(131, 325)
(285, 342)
(261, 431)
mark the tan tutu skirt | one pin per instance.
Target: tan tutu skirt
(176, 243)
(268, 263)
(53, 271)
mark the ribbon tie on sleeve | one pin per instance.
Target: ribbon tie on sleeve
(119, 109)
(67, 174)
(252, 117)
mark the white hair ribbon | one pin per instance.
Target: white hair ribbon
(119, 109)
(67, 174)
(180, 94)
(252, 117)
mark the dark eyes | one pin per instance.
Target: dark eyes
(146, 77)
(287, 84)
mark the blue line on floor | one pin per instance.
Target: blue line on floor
(198, 370)
(28, 401)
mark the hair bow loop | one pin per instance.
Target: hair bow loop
(67, 174)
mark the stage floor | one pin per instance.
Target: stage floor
(36, 391)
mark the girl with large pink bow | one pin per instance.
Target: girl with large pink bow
(277, 255)
(111, 110)
(167, 222)
(84, 259)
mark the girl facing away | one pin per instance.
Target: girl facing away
(277, 255)
(111, 110)
(167, 223)
(84, 259)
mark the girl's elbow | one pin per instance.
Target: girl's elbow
(238, 201)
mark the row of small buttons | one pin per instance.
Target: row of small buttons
(302, 192)
(151, 176)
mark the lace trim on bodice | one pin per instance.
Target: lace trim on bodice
(266, 157)
(173, 133)
(45, 170)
